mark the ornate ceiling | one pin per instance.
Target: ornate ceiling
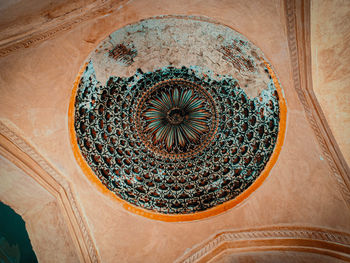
(177, 118)
(177, 115)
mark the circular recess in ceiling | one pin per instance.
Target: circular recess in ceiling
(178, 118)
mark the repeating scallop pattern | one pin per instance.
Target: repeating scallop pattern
(225, 159)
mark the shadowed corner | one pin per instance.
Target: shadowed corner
(15, 245)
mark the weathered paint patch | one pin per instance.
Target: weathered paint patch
(123, 54)
(159, 42)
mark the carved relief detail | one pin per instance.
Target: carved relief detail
(67, 22)
(210, 248)
(333, 156)
(63, 189)
(298, 32)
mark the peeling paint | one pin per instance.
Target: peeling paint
(178, 116)
(123, 54)
(165, 41)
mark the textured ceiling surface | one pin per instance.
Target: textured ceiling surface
(36, 79)
(331, 66)
(177, 115)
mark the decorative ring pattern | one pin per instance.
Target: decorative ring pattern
(107, 136)
(176, 118)
(176, 140)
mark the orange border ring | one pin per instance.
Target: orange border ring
(182, 217)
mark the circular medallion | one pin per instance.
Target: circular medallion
(177, 118)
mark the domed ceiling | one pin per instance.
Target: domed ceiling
(178, 118)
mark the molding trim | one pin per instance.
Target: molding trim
(62, 23)
(25, 157)
(291, 238)
(298, 32)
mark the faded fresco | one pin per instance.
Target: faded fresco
(177, 115)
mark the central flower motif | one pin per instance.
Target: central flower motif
(176, 117)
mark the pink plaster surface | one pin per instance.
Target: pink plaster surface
(35, 88)
(45, 224)
(330, 35)
(275, 257)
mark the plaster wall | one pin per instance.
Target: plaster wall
(45, 224)
(330, 36)
(274, 257)
(36, 85)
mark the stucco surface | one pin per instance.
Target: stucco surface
(45, 224)
(20, 17)
(330, 35)
(274, 257)
(36, 85)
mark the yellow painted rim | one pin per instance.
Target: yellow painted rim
(179, 217)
